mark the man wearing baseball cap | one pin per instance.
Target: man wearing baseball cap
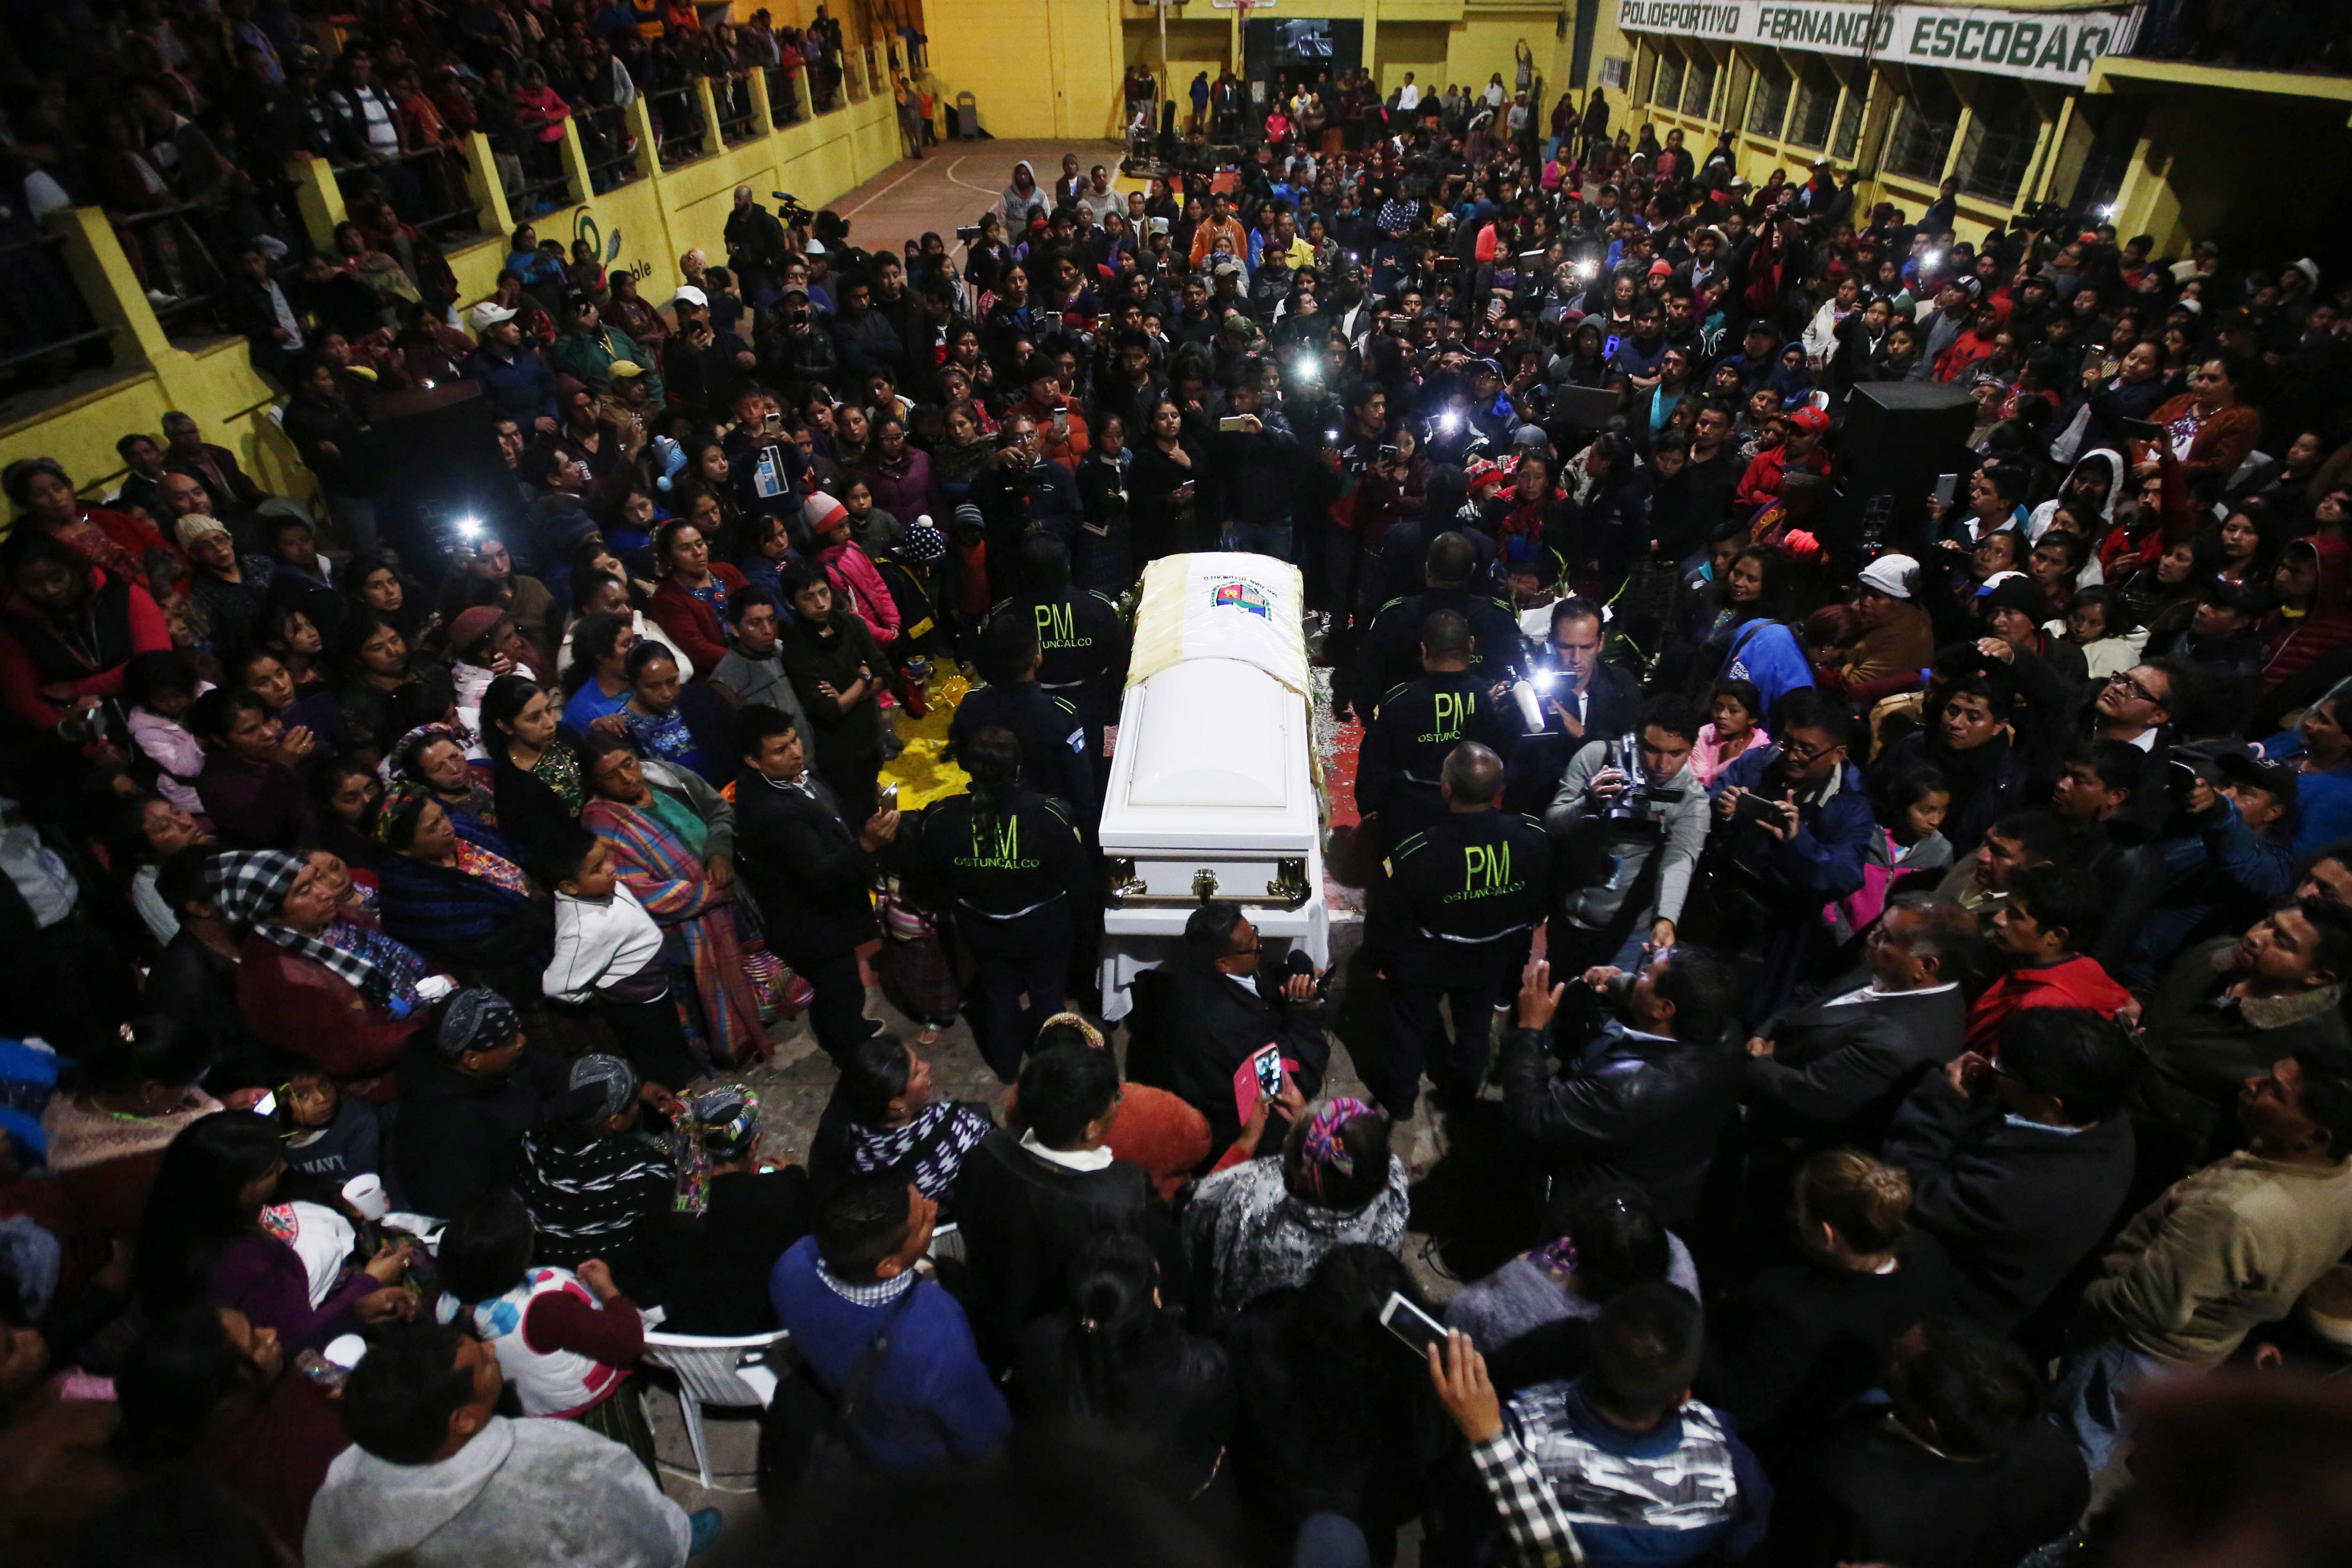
(514, 376)
(1801, 451)
(1897, 639)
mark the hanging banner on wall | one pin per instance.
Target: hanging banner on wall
(2033, 46)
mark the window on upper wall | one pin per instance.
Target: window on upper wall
(1649, 68)
(2003, 131)
(1769, 104)
(1667, 88)
(1922, 137)
(1698, 87)
(1846, 140)
(1817, 102)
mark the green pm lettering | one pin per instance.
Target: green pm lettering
(1485, 868)
(1057, 625)
(1453, 711)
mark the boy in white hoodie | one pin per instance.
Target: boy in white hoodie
(609, 960)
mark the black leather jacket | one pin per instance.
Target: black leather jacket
(1628, 1107)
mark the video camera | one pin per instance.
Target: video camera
(789, 209)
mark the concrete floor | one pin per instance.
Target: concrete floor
(951, 185)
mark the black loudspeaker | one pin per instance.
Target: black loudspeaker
(438, 451)
(1899, 436)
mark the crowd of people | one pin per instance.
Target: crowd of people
(197, 109)
(1934, 1066)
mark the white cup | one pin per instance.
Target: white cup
(367, 1197)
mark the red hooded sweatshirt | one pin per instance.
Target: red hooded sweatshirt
(2076, 980)
(2296, 642)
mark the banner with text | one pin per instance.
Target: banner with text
(2036, 46)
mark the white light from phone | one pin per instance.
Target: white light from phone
(1587, 270)
(469, 527)
(1449, 422)
(1931, 260)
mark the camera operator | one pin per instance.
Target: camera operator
(1628, 825)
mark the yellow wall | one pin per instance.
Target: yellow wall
(658, 217)
(1035, 68)
(1416, 47)
(1194, 45)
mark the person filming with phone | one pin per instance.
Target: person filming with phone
(1792, 832)
(1199, 1020)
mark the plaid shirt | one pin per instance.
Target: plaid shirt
(1540, 1528)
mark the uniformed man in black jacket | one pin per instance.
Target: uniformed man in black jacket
(1462, 903)
(1004, 859)
(1408, 737)
(1391, 647)
(1082, 643)
(1053, 756)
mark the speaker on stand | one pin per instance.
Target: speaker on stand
(1898, 437)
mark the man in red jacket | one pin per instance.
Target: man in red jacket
(1802, 451)
(2053, 913)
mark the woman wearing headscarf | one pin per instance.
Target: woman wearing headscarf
(433, 756)
(459, 896)
(673, 838)
(318, 979)
(1265, 1225)
(740, 1213)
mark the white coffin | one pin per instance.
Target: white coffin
(1211, 787)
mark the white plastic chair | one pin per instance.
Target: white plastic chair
(711, 1371)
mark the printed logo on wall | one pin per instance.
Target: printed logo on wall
(2039, 45)
(1241, 593)
(584, 227)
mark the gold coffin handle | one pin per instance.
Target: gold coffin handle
(1287, 890)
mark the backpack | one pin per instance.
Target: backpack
(809, 1439)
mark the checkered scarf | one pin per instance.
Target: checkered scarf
(929, 1149)
(249, 887)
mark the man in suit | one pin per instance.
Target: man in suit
(1200, 1018)
(808, 870)
(1029, 1201)
(1834, 1069)
(2019, 1171)
(1581, 696)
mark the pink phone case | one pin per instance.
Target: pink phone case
(1246, 1089)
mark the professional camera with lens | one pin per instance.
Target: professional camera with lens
(789, 210)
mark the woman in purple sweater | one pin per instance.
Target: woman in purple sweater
(206, 1235)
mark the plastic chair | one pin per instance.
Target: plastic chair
(711, 1371)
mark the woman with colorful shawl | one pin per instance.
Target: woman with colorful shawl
(673, 839)
(453, 888)
(315, 977)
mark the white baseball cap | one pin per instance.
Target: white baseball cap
(490, 313)
(692, 296)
